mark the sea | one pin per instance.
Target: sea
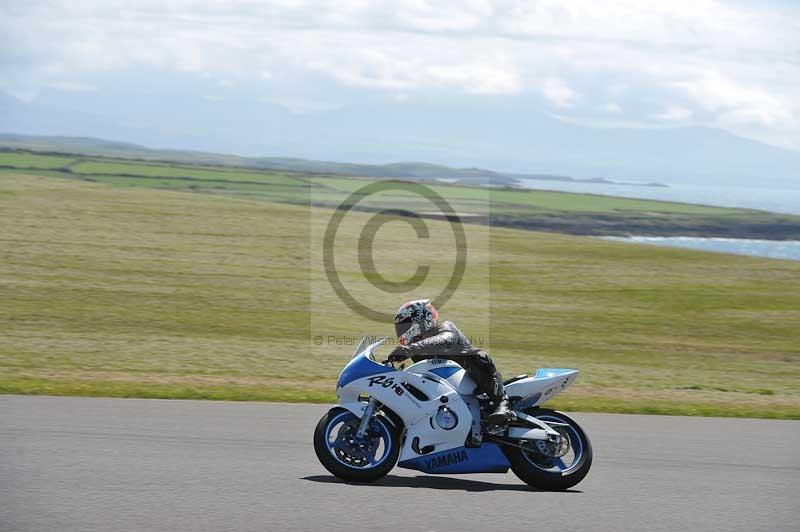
(774, 199)
(774, 249)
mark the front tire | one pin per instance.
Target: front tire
(546, 472)
(349, 458)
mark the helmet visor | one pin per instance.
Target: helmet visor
(410, 333)
(401, 327)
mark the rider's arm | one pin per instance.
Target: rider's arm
(432, 345)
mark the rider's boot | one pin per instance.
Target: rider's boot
(502, 413)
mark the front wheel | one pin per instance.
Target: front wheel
(548, 466)
(349, 457)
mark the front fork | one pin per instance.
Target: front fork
(369, 411)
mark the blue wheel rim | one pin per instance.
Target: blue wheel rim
(576, 447)
(341, 452)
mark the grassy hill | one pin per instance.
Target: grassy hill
(145, 290)
(562, 212)
(88, 146)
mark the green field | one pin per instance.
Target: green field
(104, 169)
(30, 160)
(560, 212)
(119, 290)
(544, 200)
(333, 188)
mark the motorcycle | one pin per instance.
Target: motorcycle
(428, 417)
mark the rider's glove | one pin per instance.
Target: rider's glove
(400, 353)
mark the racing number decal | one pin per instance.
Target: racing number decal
(386, 382)
(383, 380)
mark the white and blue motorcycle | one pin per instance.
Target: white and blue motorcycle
(428, 417)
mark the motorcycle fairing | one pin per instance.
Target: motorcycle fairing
(543, 386)
(451, 371)
(488, 458)
(360, 366)
(387, 386)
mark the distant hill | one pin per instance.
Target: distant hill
(504, 134)
(417, 170)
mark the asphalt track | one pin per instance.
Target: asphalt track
(79, 464)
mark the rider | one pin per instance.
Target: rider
(420, 336)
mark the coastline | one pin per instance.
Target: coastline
(580, 213)
(755, 226)
(769, 249)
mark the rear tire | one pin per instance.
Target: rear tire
(529, 465)
(343, 465)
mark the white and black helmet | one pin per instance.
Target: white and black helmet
(414, 319)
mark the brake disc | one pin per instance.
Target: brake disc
(357, 449)
(554, 449)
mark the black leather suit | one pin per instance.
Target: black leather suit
(446, 341)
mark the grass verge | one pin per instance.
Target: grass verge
(134, 292)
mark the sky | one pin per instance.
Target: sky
(732, 65)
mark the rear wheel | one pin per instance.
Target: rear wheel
(553, 466)
(349, 457)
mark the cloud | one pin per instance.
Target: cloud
(728, 64)
(559, 93)
(674, 113)
(611, 108)
(387, 68)
(734, 100)
(71, 86)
